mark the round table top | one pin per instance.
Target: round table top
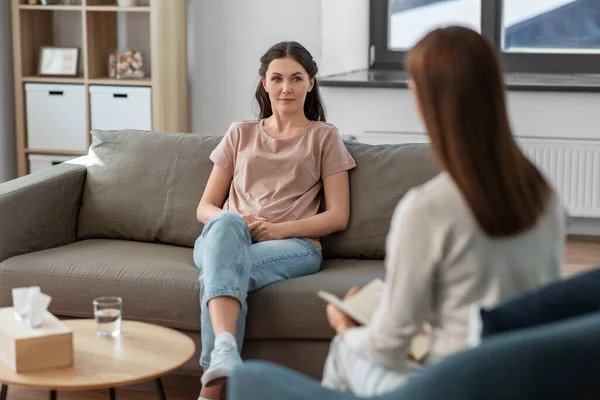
(140, 353)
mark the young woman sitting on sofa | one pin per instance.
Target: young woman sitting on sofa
(271, 172)
(487, 227)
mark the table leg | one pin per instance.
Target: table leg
(53, 395)
(112, 394)
(3, 392)
(160, 389)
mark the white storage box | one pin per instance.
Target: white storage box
(56, 118)
(38, 162)
(121, 107)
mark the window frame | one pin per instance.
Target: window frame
(380, 57)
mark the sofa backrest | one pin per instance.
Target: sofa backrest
(145, 186)
(382, 177)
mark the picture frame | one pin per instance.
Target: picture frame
(58, 61)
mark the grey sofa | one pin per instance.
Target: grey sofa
(121, 221)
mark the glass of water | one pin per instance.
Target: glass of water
(107, 312)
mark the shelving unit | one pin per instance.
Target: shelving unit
(97, 25)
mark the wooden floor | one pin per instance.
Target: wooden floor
(188, 390)
(22, 394)
(581, 254)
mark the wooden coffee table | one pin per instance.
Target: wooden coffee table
(142, 352)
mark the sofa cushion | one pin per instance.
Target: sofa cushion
(145, 186)
(159, 284)
(382, 177)
(156, 281)
(554, 302)
(291, 308)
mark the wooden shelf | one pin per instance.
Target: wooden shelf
(47, 79)
(50, 7)
(85, 8)
(147, 81)
(121, 82)
(118, 9)
(56, 152)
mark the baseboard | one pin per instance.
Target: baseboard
(584, 227)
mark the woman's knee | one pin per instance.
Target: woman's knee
(228, 218)
(226, 221)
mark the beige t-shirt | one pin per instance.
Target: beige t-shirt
(279, 179)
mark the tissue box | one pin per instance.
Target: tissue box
(25, 349)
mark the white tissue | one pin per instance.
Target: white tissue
(39, 305)
(30, 305)
(22, 301)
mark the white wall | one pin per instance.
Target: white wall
(226, 39)
(344, 36)
(7, 133)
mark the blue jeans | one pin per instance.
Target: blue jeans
(232, 265)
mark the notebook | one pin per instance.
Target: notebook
(363, 304)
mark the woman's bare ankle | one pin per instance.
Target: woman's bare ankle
(213, 392)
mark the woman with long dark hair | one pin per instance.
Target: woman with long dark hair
(487, 227)
(260, 205)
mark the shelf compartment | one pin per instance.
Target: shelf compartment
(111, 31)
(43, 28)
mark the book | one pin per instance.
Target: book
(363, 304)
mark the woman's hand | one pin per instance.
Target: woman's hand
(338, 320)
(262, 230)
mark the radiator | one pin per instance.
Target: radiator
(573, 168)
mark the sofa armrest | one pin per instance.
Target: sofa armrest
(40, 211)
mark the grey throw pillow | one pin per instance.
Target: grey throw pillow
(145, 186)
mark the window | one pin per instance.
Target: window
(410, 20)
(561, 36)
(551, 26)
